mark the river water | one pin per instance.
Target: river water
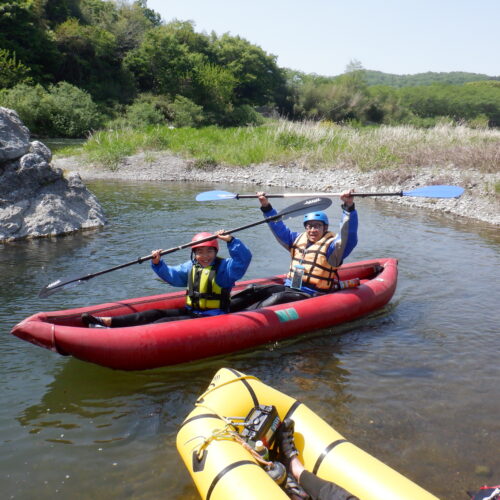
(417, 385)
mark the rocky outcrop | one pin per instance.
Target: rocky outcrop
(36, 199)
(14, 136)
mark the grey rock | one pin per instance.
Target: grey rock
(40, 149)
(14, 136)
(36, 199)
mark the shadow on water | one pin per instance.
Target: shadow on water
(122, 404)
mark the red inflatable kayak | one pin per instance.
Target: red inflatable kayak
(162, 344)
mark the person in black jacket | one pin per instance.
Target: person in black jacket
(317, 488)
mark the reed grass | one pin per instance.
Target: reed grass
(308, 144)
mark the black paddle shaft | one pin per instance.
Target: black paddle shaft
(305, 206)
(302, 207)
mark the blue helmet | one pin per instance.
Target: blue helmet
(321, 216)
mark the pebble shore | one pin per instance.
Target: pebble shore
(475, 203)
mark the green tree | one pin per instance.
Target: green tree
(185, 34)
(161, 63)
(12, 71)
(127, 22)
(23, 32)
(354, 65)
(79, 47)
(89, 59)
(97, 13)
(132, 23)
(257, 74)
(153, 17)
(384, 106)
(213, 88)
(343, 99)
(58, 11)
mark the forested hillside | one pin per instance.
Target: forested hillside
(72, 66)
(429, 78)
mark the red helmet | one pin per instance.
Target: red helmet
(210, 243)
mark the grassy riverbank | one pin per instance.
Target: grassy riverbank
(306, 144)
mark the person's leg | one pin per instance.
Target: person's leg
(281, 297)
(175, 315)
(133, 319)
(253, 294)
(89, 320)
(317, 488)
(320, 489)
(146, 317)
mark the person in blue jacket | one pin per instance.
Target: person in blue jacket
(207, 277)
(315, 253)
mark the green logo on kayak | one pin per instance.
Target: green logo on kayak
(287, 314)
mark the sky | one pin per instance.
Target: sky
(324, 36)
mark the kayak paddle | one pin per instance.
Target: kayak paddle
(423, 192)
(302, 207)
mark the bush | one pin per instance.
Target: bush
(28, 101)
(185, 113)
(62, 110)
(242, 116)
(292, 140)
(205, 162)
(143, 113)
(426, 122)
(480, 121)
(148, 109)
(73, 113)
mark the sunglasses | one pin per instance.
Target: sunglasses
(314, 225)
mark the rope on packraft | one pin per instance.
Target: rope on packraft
(226, 434)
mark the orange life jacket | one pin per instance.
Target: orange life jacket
(318, 273)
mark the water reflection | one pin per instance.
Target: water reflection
(101, 405)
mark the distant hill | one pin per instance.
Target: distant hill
(454, 78)
(373, 78)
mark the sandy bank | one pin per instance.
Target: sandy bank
(475, 203)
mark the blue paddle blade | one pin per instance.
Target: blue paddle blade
(436, 192)
(215, 195)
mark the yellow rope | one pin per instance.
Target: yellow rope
(226, 432)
